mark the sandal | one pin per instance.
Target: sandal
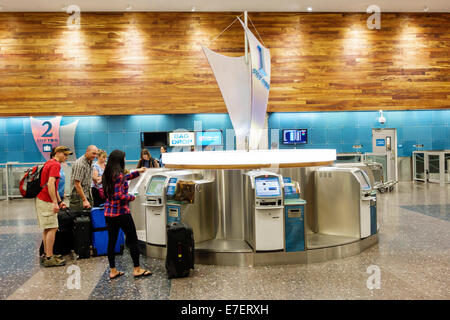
(118, 274)
(146, 273)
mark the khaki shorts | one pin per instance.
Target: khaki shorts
(47, 219)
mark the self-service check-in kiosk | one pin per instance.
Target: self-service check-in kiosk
(138, 188)
(179, 195)
(368, 205)
(173, 207)
(155, 207)
(161, 207)
(264, 212)
(294, 217)
(343, 196)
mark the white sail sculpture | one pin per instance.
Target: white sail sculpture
(245, 89)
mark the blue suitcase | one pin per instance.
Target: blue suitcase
(100, 234)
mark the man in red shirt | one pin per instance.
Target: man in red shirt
(48, 204)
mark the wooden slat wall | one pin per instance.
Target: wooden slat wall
(150, 63)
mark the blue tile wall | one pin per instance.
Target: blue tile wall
(106, 132)
(335, 130)
(343, 130)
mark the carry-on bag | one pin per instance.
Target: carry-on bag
(180, 250)
(82, 236)
(63, 243)
(100, 234)
(64, 236)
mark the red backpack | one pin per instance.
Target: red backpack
(30, 184)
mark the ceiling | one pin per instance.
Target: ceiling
(226, 5)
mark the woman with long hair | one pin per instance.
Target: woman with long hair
(117, 211)
(147, 160)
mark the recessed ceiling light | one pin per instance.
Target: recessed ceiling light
(309, 9)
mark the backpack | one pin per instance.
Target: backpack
(30, 184)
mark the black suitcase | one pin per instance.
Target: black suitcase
(63, 243)
(180, 250)
(82, 236)
(64, 236)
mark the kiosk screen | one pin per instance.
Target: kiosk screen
(267, 187)
(363, 180)
(156, 186)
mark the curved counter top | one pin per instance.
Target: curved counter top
(253, 159)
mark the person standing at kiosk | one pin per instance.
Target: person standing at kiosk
(117, 211)
(147, 160)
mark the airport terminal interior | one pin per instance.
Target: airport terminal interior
(306, 146)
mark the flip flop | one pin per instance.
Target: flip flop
(120, 273)
(146, 273)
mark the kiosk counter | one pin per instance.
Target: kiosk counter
(259, 207)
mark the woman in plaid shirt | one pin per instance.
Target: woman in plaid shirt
(117, 212)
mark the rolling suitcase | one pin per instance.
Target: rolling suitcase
(64, 236)
(180, 250)
(82, 236)
(100, 234)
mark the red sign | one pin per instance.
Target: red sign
(46, 134)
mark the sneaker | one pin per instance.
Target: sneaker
(57, 256)
(54, 262)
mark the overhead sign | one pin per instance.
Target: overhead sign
(181, 139)
(48, 134)
(209, 138)
(245, 89)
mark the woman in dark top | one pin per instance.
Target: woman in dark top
(147, 161)
(117, 211)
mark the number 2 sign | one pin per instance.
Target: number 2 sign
(46, 134)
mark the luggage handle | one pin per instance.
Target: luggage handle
(180, 250)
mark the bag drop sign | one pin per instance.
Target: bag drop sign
(181, 139)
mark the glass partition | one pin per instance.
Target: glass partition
(2, 181)
(378, 158)
(419, 165)
(348, 157)
(447, 167)
(12, 172)
(433, 167)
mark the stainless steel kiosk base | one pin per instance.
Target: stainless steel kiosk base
(224, 236)
(238, 253)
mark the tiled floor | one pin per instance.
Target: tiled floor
(413, 257)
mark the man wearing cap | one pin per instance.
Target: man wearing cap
(48, 204)
(81, 178)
